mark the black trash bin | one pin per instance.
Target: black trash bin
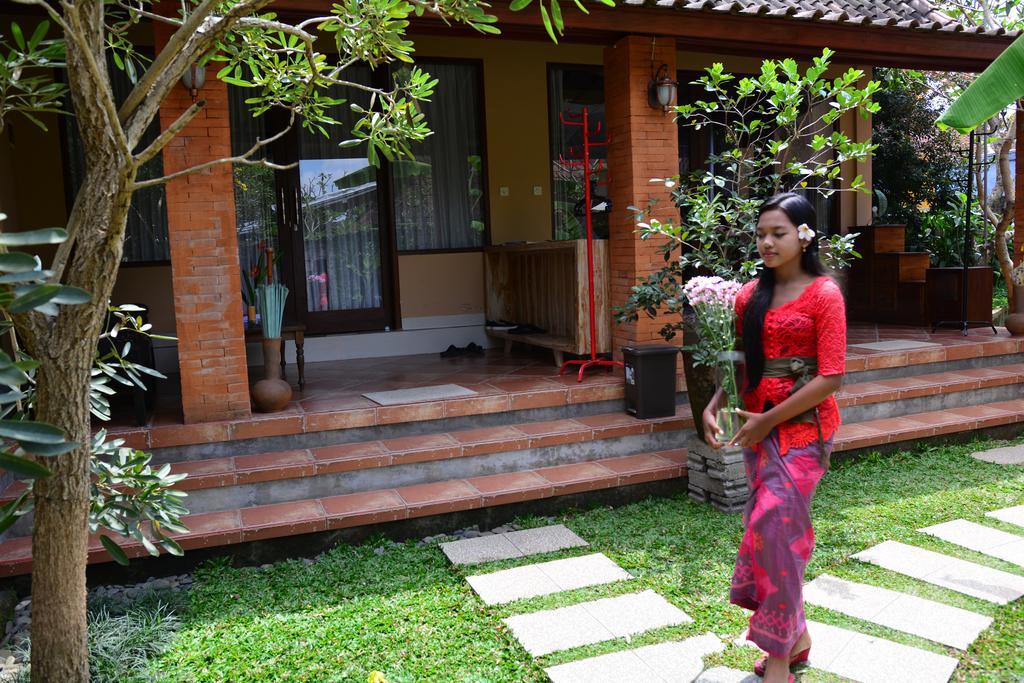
(650, 380)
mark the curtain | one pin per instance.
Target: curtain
(340, 210)
(570, 89)
(146, 231)
(438, 195)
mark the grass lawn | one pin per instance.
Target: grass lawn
(407, 613)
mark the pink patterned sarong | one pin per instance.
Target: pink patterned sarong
(777, 542)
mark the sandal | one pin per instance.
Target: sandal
(798, 658)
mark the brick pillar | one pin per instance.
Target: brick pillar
(204, 257)
(645, 145)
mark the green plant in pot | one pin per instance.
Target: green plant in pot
(777, 132)
(271, 393)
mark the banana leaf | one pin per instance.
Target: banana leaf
(995, 88)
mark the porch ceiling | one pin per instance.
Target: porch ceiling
(875, 32)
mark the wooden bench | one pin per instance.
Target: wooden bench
(545, 284)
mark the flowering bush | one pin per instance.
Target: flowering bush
(774, 132)
(713, 300)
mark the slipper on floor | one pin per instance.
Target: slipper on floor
(453, 351)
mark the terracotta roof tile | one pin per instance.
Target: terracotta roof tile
(919, 15)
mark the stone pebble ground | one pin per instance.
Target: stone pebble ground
(843, 652)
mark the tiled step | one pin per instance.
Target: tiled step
(868, 360)
(519, 395)
(874, 433)
(561, 397)
(265, 478)
(931, 391)
(386, 505)
(218, 472)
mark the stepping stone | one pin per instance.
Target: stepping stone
(546, 578)
(1014, 515)
(723, 674)
(1007, 455)
(983, 539)
(673, 661)
(908, 613)
(542, 633)
(949, 572)
(482, 549)
(869, 659)
(513, 544)
(545, 539)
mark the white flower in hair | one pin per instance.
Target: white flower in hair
(804, 232)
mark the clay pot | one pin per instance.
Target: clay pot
(1015, 321)
(271, 393)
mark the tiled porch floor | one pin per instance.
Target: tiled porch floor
(332, 398)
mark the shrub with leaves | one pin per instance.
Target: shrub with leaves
(122, 642)
(24, 287)
(780, 134)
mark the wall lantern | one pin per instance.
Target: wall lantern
(661, 90)
(193, 79)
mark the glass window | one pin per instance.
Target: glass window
(439, 194)
(146, 238)
(340, 216)
(570, 89)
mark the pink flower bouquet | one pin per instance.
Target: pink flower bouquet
(713, 300)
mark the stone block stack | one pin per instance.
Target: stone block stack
(717, 477)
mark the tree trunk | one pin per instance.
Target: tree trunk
(66, 353)
(60, 536)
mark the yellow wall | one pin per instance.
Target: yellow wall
(516, 106)
(441, 284)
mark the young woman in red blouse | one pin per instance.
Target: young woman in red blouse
(793, 324)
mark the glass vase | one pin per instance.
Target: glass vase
(728, 374)
(729, 421)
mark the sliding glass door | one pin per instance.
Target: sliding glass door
(339, 223)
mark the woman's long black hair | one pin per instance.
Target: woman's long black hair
(798, 210)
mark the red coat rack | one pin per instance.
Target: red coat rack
(582, 121)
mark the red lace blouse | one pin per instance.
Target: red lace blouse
(813, 324)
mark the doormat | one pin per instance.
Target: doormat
(419, 394)
(894, 345)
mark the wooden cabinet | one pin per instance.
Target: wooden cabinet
(945, 292)
(545, 284)
(887, 284)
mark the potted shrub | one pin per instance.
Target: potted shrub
(767, 123)
(942, 234)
